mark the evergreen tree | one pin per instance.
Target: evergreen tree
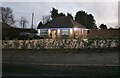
(103, 26)
(70, 15)
(54, 13)
(61, 14)
(85, 19)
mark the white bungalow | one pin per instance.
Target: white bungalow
(63, 27)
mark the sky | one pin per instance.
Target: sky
(103, 12)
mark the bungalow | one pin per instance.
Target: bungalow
(63, 27)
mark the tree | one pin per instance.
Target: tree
(103, 26)
(111, 28)
(54, 13)
(61, 14)
(85, 19)
(81, 17)
(7, 15)
(46, 19)
(23, 22)
(90, 22)
(95, 27)
(70, 15)
(40, 25)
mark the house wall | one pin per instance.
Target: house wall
(59, 33)
(80, 33)
(71, 35)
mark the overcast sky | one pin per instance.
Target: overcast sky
(103, 12)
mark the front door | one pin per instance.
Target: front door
(53, 34)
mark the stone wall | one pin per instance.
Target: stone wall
(60, 43)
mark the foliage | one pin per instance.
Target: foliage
(54, 13)
(85, 19)
(81, 17)
(103, 26)
(90, 22)
(7, 15)
(46, 19)
(70, 15)
(61, 14)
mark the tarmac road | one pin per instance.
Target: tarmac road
(35, 63)
(59, 70)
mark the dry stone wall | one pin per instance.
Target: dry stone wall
(59, 43)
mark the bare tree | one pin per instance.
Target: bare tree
(46, 19)
(23, 22)
(7, 15)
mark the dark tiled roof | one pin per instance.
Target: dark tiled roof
(62, 22)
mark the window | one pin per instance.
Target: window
(43, 32)
(65, 32)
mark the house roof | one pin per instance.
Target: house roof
(62, 22)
